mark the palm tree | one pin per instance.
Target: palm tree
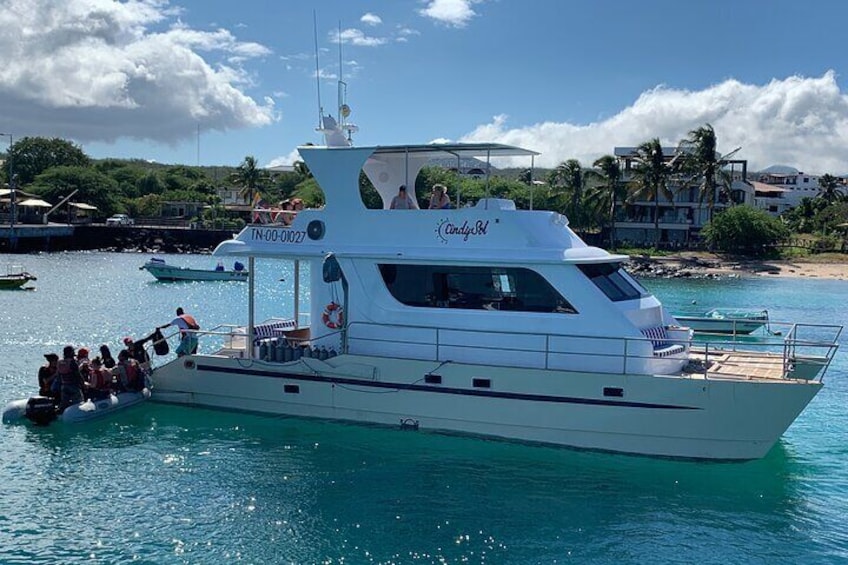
(829, 189)
(701, 161)
(651, 178)
(249, 177)
(606, 194)
(568, 176)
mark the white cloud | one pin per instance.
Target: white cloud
(99, 70)
(356, 37)
(404, 33)
(371, 19)
(797, 121)
(455, 13)
(285, 160)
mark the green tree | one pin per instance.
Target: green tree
(301, 170)
(149, 184)
(250, 177)
(92, 186)
(566, 181)
(743, 229)
(829, 189)
(147, 205)
(34, 155)
(700, 160)
(609, 191)
(651, 178)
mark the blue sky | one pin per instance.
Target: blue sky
(567, 78)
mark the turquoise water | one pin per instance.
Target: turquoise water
(165, 484)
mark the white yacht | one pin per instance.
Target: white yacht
(485, 320)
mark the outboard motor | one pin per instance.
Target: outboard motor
(40, 410)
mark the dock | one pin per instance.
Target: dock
(31, 238)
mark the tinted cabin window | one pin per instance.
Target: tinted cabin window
(473, 288)
(612, 281)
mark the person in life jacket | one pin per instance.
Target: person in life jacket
(136, 351)
(128, 373)
(72, 384)
(188, 338)
(99, 384)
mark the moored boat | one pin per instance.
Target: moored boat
(15, 278)
(734, 321)
(42, 410)
(165, 272)
(486, 320)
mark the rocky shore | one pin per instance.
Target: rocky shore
(708, 265)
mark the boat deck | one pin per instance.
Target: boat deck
(749, 365)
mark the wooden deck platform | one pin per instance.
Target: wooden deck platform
(741, 365)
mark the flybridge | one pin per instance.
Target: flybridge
(389, 166)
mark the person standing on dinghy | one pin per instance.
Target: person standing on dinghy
(68, 372)
(188, 339)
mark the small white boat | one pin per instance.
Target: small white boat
(41, 410)
(733, 321)
(165, 272)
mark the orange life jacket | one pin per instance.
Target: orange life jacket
(189, 319)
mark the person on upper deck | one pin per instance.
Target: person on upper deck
(285, 212)
(439, 199)
(187, 325)
(402, 201)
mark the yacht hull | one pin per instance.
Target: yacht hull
(671, 416)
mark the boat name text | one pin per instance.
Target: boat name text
(277, 235)
(465, 230)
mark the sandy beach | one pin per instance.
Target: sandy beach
(699, 264)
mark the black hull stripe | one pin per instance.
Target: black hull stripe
(441, 389)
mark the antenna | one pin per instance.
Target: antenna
(344, 109)
(334, 129)
(317, 68)
(341, 82)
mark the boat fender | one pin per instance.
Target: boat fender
(315, 229)
(333, 316)
(263, 350)
(288, 354)
(297, 352)
(280, 350)
(331, 270)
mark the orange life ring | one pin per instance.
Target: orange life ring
(333, 316)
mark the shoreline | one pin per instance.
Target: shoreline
(709, 265)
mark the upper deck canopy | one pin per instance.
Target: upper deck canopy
(462, 150)
(387, 166)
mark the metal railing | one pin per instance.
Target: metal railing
(805, 351)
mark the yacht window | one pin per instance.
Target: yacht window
(613, 281)
(473, 288)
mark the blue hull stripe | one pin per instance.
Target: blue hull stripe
(441, 389)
